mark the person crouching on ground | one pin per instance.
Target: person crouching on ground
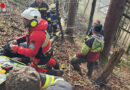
(90, 51)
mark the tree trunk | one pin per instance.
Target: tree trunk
(85, 8)
(59, 22)
(66, 6)
(91, 15)
(114, 60)
(73, 6)
(112, 21)
(128, 50)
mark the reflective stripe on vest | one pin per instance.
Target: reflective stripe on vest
(59, 79)
(42, 66)
(49, 81)
(49, 19)
(48, 11)
(41, 8)
(46, 40)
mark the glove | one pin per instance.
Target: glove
(79, 54)
(7, 48)
(14, 42)
(11, 46)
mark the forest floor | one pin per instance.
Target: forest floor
(11, 26)
(64, 52)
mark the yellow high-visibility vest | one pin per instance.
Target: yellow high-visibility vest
(50, 80)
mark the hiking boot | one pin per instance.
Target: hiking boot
(89, 75)
(57, 66)
(77, 68)
(80, 73)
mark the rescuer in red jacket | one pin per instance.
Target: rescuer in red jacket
(37, 39)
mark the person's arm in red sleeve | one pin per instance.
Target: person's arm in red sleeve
(21, 39)
(36, 40)
(79, 54)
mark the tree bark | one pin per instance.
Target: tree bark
(114, 60)
(73, 6)
(85, 8)
(128, 50)
(59, 22)
(66, 6)
(91, 15)
(112, 21)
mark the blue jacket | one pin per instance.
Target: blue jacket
(54, 17)
(44, 10)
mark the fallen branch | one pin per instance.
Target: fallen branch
(114, 60)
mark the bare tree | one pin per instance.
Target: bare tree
(111, 25)
(86, 8)
(73, 6)
(58, 14)
(91, 14)
(66, 6)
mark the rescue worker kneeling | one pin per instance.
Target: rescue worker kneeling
(38, 41)
(25, 78)
(90, 51)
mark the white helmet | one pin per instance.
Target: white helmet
(53, 5)
(31, 13)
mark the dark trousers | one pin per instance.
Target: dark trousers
(49, 30)
(54, 28)
(76, 61)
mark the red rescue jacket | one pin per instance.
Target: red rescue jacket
(37, 39)
(92, 56)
